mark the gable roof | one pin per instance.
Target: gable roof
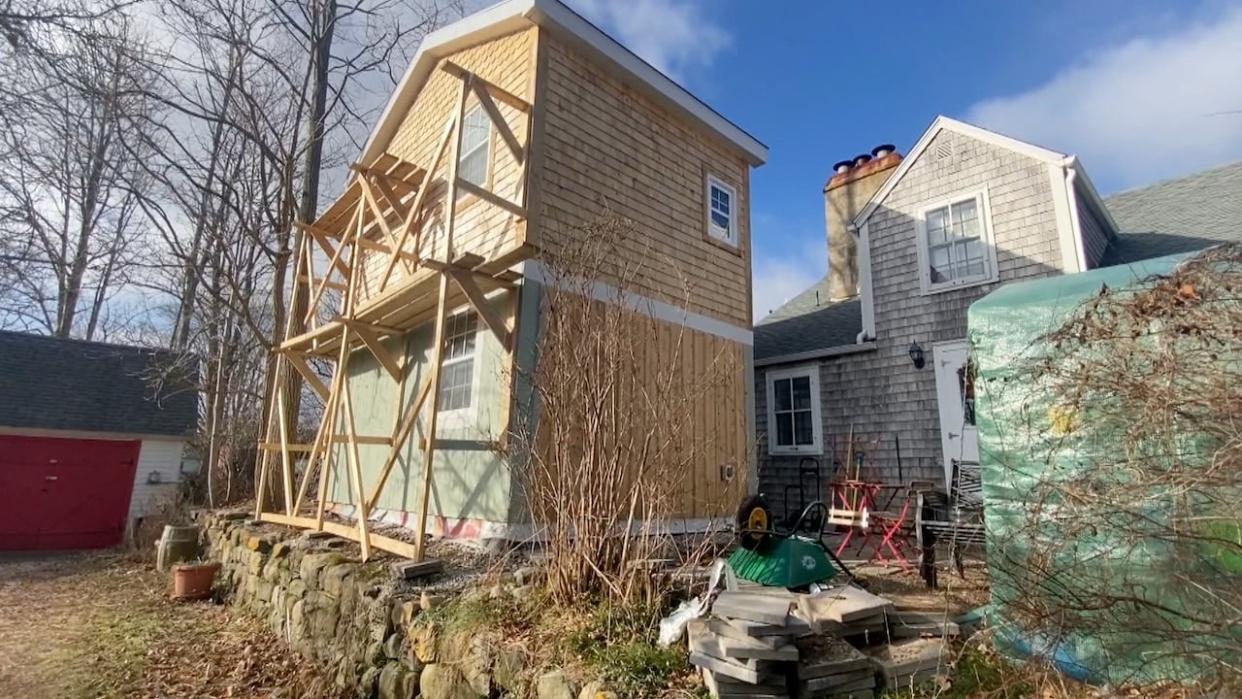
(942, 123)
(57, 384)
(512, 15)
(1174, 216)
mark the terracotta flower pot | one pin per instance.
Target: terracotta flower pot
(193, 580)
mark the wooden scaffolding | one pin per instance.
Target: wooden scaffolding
(381, 219)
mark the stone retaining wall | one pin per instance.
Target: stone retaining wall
(327, 605)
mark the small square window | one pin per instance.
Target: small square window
(721, 211)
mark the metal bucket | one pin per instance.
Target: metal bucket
(176, 545)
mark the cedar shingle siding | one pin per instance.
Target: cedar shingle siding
(879, 392)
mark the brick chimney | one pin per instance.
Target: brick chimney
(847, 192)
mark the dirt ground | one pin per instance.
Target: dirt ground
(100, 624)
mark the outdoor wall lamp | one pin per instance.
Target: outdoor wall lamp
(916, 354)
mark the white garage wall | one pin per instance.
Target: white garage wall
(159, 456)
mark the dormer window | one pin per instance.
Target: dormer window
(721, 212)
(955, 243)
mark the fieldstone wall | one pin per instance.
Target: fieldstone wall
(326, 604)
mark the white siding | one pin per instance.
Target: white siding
(164, 457)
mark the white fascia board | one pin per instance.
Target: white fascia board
(942, 123)
(816, 354)
(1067, 233)
(1087, 188)
(513, 15)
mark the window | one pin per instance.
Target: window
(476, 138)
(955, 244)
(793, 411)
(457, 367)
(721, 212)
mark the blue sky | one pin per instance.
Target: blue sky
(1140, 90)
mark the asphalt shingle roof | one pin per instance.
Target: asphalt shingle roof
(56, 384)
(1182, 215)
(807, 322)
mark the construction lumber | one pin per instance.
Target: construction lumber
(496, 91)
(412, 570)
(345, 531)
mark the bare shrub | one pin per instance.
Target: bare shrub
(609, 444)
(1123, 523)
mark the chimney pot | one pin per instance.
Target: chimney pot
(860, 160)
(842, 166)
(882, 150)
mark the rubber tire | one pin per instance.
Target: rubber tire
(751, 536)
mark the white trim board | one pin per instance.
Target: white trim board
(83, 434)
(652, 308)
(513, 15)
(816, 354)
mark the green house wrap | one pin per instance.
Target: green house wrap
(1100, 559)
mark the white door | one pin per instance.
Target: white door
(955, 394)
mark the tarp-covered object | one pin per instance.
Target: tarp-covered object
(1097, 561)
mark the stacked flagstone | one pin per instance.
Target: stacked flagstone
(837, 643)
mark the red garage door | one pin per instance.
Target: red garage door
(64, 493)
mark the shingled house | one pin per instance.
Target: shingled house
(92, 437)
(878, 347)
(512, 130)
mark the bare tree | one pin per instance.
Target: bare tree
(69, 186)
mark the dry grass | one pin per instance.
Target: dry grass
(101, 625)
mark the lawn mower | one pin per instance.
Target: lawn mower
(783, 558)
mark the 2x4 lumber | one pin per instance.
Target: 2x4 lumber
(355, 468)
(368, 195)
(411, 217)
(491, 198)
(438, 347)
(475, 295)
(374, 440)
(286, 464)
(429, 449)
(313, 306)
(373, 343)
(331, 251)
(320, 450)
(498, 120)
(312, 379)
(496, 91)
(310, 281)
(398, 440)
(275, 446)
(383, 543)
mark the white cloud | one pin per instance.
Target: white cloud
(1141, 111)
(676, 36)
(778, 278)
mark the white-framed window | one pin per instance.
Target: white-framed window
(955, 243)
(721, 211)
(476, 139)
(794, 425)
(457, 374)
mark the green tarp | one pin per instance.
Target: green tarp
(1109, 602)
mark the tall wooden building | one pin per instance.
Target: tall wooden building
(511, 130)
